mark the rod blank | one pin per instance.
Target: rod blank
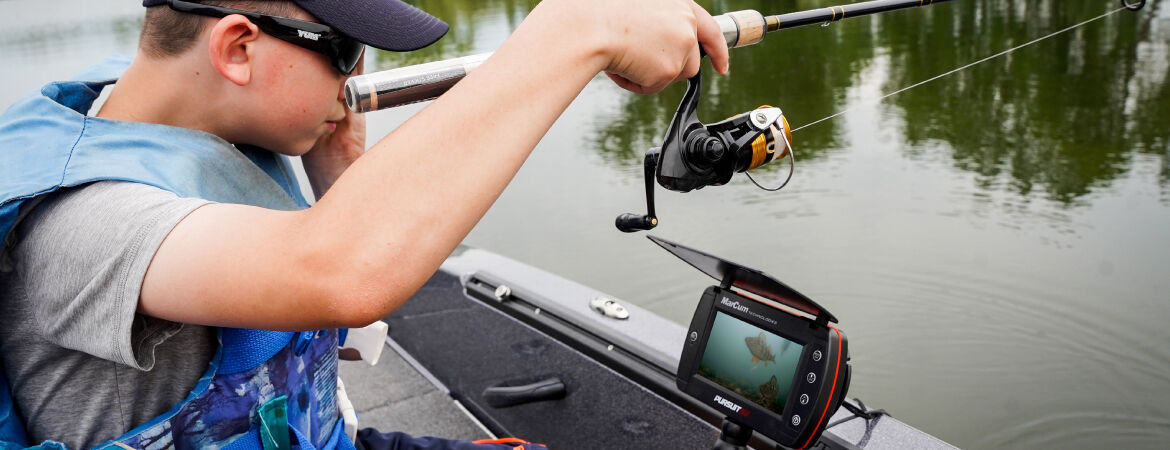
(835, 13)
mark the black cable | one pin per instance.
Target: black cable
(859, 411)
(871, 417)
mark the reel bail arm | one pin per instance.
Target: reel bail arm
(1133, 5)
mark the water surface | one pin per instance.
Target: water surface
(995, 243)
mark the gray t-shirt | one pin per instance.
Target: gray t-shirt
(84, 367)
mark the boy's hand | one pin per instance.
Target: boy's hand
(653, 43)
(334, 152)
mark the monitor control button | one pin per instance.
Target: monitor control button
(694, 336)
(804, 399)
(812, 377)
(795, 420)
(816, 355)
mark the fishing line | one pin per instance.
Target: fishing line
(961, 68)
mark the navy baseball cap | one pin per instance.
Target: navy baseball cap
(385, 24)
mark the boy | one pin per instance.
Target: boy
(131, 235)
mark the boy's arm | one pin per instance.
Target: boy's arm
(388, 222)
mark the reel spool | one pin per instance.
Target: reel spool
(695, 155)
(771, 142)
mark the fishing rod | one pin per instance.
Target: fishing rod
(693, 155)
(417, 83)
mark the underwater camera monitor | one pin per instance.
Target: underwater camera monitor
(761, 353)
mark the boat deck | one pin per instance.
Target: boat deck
(399, 394)
(393, 396)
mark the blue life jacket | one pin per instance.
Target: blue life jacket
(261, 387)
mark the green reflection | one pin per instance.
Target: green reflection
(1060, 118)
(1052, 116)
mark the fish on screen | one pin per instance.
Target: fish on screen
(749, 361)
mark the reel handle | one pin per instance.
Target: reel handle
(630, 222)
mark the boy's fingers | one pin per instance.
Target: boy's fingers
(711, 38)
(618, 80)
(624, 83)
(693, 64)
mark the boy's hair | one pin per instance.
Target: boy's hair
(166, 32)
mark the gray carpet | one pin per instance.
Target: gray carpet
(392, 396)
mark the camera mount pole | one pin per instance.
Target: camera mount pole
(733, 436)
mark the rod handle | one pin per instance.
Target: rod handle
(742, 28)
(422, 82)
(406, 85)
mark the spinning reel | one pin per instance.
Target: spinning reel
(694, 155)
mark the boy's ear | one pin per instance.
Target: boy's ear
(231, 48)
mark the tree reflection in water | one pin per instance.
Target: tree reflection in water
(1065, 116)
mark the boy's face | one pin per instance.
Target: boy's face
(298, 97)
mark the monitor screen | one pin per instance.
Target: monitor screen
(749, 361)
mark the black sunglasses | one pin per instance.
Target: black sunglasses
(343, 51)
